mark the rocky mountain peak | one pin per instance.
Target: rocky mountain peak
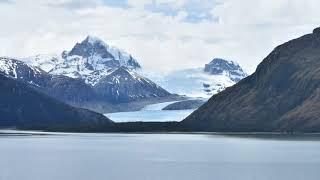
(89, 59)
(93, 39)
(316, 31)
(90, 47)
(221, 66)
(99, 54)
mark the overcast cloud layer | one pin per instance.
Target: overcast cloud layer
(163, 34)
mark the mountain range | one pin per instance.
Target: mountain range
(96, 76)
(105, 79)
(92, 75)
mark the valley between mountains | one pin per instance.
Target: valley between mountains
(70, 90)
(106, 80)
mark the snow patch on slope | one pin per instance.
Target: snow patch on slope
(200, 82)
(90, 60)
(196, 83)
(10, 67)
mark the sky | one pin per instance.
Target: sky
(164, 35)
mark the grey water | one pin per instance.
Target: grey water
(37, 156)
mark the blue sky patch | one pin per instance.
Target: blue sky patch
(117, 3)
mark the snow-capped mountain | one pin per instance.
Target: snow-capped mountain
(202, 82)
(66, 89)
(89, 60)
(123, 85)
(230, 69)
(110, 71)
(16, 69)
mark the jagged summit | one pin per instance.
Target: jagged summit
(90, 60)
(91, 47)
(220, 66)
(316, 30)
(93, 39)
(94, 48)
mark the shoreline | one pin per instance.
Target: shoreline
(35, 132)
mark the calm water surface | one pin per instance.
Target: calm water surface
(157, 157)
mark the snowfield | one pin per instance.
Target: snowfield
(151, 113)
(192, 82)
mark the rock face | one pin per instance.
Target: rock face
(19, 70)
(69, 90)
(283, 94)
(89, 60)
(23, 107)
(123, 85)
(229, 68)
(98, 53)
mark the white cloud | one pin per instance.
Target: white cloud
(138, 3)
(173, 3)
(246, 31)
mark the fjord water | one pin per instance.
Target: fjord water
(157, 157)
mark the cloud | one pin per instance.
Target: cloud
(74, 4)
(164, 38)
(195, 11)
(6, 1)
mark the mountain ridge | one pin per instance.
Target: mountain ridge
(282, 95)
(123, 85)
(25, 108)
(220, 66)
(75, 92)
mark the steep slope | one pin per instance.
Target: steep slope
(89, 60)
(75, 92)
(19, 70)
(282, 95)
(23, 107)
(69, 90)
(88, 63)
(123, 85)
(203, 82)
